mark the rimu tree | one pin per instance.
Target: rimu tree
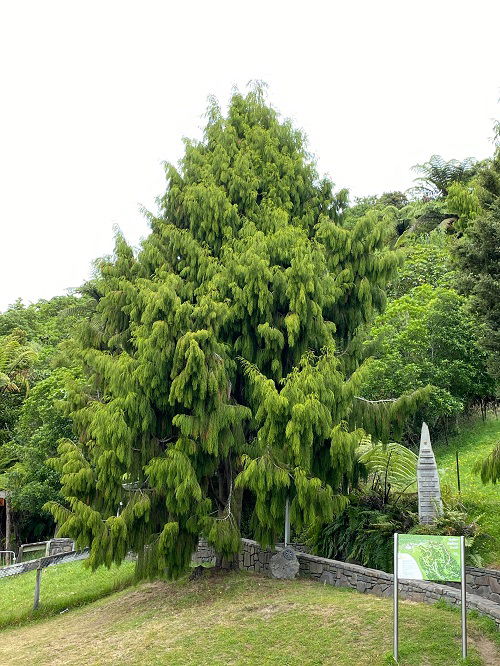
(223, 356)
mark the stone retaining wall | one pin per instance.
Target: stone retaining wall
(484, 582)
(204, 553)
(341, 574)
(58, 546)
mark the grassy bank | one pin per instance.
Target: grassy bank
(473, 443)
(63, 586)
(245, 620)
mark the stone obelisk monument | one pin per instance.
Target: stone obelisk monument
(430, 505)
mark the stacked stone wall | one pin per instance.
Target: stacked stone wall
(372, 581)
(205, 554)
(58, 546)
(483, 582)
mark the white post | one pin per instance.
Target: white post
(36, 600)
(464, 599)
(7, 525)
(395, 597)
(287, 522)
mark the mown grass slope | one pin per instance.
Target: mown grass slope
(474, 442)
(245, 620)
(62, 586)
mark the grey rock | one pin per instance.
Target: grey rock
(284, 564)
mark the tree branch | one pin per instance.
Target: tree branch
(374, 402)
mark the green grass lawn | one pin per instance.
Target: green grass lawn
(63, 586)
(246, 620)
(474, 442)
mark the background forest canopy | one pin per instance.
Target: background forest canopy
(264, 329)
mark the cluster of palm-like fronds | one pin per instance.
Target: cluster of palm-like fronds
(438, 174)
(390, 468)
(15, 361)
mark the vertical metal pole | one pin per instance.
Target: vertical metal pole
(395, 596)
(287, 522)
(36, 600)
(7, 524)
(464, 599)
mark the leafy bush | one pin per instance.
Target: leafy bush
(428, 337)
(455, 522)
(363, 532)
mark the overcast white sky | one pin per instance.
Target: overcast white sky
(95, 95)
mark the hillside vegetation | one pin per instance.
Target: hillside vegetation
(243, 619)
(239, 358)
(473, 443)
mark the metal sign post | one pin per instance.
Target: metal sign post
(395, 594)
(36, 600)
(287, 522)
(464, 599)
(429, 557)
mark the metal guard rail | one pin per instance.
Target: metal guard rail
(42, 563)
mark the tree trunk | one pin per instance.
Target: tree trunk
(228, 494)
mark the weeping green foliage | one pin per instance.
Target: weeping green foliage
(463, 202)
(224, 355)
(386, 417)
(489, 468)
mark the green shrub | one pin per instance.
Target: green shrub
(363, 532)
(456, 522)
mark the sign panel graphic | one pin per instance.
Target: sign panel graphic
(429, 557)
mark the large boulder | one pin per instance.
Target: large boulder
(284, 564)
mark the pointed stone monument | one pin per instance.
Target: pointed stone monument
(430, 505)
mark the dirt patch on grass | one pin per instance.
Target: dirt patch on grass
(487, 649)
(268, 611)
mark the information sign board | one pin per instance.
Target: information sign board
(429, 557)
